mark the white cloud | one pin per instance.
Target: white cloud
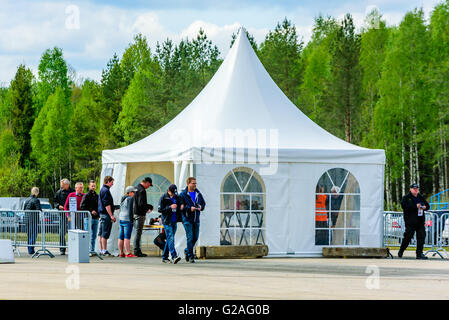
(220, 35)
(30, 27)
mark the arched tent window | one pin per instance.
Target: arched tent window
(160, 186)
(337, 209)
(242, 208)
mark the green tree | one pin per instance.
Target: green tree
(402, 111)
(186, 69)
(141, 114)
(314, 89)
(205, 57)
(51, 140)
(88, 133)
(437, 135)
(135, 56)
(113, 88)
(251, 40)
(280, 53)
(22, 112)
(53, 73)
(346, 77)
(375, 36)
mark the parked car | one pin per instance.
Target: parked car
(17, 219)
(7, 222)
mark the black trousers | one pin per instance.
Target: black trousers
(322, 236)
(410, 229)
(139, 222)
(62, 230)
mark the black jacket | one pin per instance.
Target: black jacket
(90, 203)
(32, 203)
(166, 211)
(188, 203)
(61, 197)
(410, 210)
(140, 201)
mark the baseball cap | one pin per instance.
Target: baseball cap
(130, 189)
(148, 179)
(173, 189)
(414, 185)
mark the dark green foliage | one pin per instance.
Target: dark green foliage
(52, 74)
(346, 76)
(22, 112)
(251, 40)
(280, 53)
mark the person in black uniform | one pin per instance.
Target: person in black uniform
(32, 218)
(141, 208)
(414, 206)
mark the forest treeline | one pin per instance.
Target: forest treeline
(381, 87)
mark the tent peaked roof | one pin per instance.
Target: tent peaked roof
(240, 98)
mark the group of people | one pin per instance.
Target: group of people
(185, 208)
(413, 205)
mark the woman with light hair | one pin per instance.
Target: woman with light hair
(35, 191)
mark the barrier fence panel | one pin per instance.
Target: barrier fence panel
(8, 223)
(42, 229)
(394, 228)
(27, 228)
(443, 239)
(444, 229)
(432, 233)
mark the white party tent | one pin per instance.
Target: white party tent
(262, 165)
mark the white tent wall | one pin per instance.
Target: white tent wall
(290, 204)
(234, 114)
(118, 172)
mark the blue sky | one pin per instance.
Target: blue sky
(89, 32)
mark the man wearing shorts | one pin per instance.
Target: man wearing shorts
(105, 208)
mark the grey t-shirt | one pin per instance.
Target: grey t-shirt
(126, 208)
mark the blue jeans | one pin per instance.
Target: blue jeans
(126, 229)
(192, 232)
(170, 231)
(32, 221)
(93, 236)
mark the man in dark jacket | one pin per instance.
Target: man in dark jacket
(32, 218)
(90, 203)
(59, 202)
(106, 211)
(141, 208)
(170, 207)
(414, 206)
(193, 204)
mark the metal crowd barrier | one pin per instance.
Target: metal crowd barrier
(42, 229)
(394, 228)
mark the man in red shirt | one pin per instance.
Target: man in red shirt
(78, 194)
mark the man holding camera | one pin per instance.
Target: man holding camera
(193, 205)
(414, 206)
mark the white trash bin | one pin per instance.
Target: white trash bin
(6, 252)
(78, 246)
